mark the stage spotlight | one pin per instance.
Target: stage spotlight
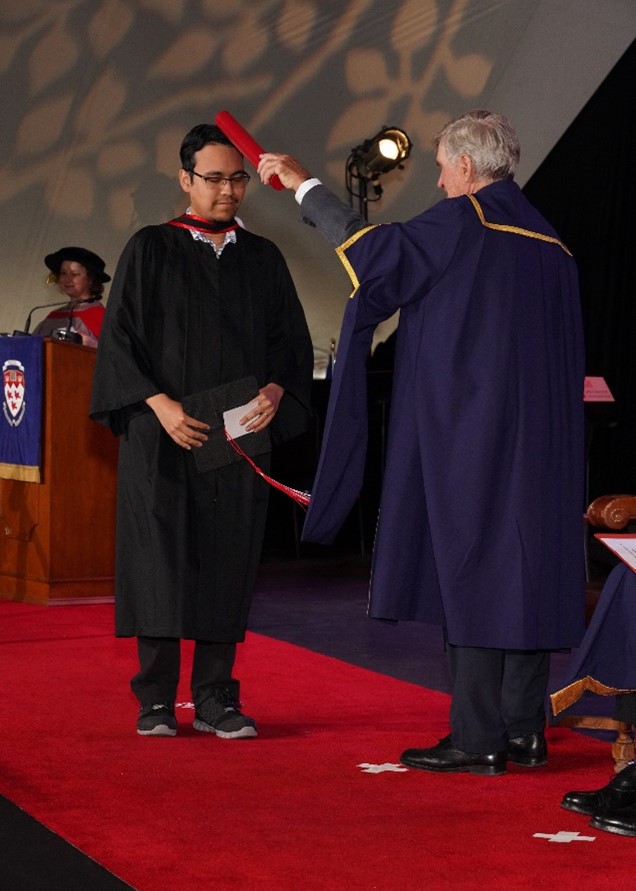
(384, 151)
(374, 157)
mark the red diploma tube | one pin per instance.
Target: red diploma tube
(245, 143)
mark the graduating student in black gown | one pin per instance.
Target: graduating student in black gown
(196, 303)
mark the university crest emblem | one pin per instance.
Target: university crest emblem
(14, 382)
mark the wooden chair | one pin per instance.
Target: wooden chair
(614, 513)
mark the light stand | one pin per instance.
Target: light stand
(368, 161)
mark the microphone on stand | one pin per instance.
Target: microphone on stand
(40, 306)
(67, 334)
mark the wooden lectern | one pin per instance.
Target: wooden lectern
(57, 537)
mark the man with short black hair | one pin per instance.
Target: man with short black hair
(196, 304)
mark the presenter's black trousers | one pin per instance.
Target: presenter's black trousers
(497, 695)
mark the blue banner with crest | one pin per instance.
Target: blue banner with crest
(21, 417)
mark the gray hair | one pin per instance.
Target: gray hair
(488, 139)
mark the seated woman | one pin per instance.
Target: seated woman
(79, 274)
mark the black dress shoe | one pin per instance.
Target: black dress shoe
(622, 821)
(619, 793)
(528, 751)
(444, 758)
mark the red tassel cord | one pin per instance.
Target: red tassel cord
(300, 497)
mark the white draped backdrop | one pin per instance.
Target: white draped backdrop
(97, 94)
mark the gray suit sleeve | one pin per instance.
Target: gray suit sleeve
(332, 217)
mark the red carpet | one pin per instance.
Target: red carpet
(292, 809)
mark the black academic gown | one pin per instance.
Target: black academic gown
(180, 321)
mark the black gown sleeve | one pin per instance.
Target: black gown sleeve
(123, 377)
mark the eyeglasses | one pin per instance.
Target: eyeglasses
(215, 179)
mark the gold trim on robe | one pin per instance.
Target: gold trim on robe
(567, 696)
(498, 227)
(343, 259)
(515, 230)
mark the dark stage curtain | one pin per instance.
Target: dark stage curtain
(586, 187)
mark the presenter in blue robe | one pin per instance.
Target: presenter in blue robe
(480, 520)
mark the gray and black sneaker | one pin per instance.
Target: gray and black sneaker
(156, 720)
(220, 714)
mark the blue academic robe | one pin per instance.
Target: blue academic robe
(605, 663)
(480, 524)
